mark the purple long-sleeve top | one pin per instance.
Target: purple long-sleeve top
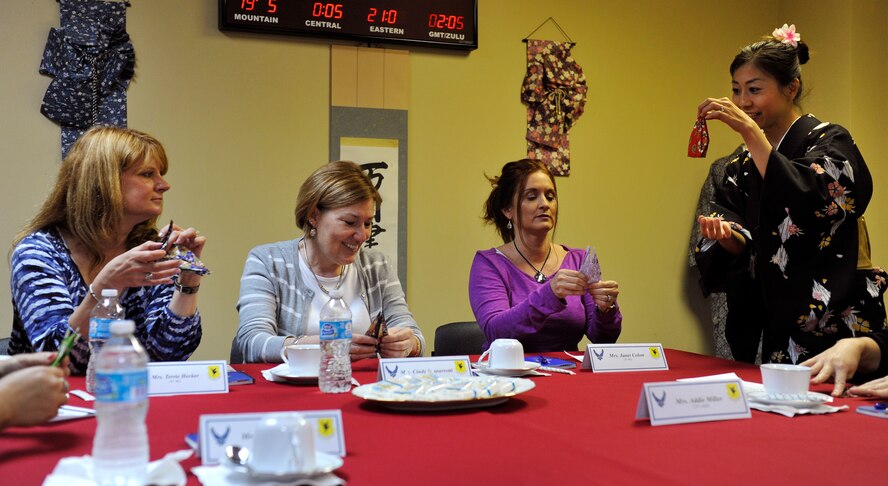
(508, 303)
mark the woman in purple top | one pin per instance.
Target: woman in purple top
(530, 288)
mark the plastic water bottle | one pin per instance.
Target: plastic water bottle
(336, 334)
(101, 316)
(120, 447)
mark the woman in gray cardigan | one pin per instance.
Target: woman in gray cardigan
(285, 284)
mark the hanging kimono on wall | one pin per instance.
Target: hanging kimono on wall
(554, 91)
(91, 60)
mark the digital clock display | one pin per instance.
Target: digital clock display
(442, 23)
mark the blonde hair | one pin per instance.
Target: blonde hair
(334, 185)
(87, 201)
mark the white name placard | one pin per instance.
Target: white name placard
(187, 378)
(625, 357)
(220, 430)
(458, 366)
(676, 402)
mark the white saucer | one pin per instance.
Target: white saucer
(290, 376)
(807, 400)
(324, 463)
(484, 367)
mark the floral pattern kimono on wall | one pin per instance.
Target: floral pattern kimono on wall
(799, 266)
(554, 91)
(91, 60)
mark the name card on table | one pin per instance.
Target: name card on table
(674, 402)
(625, 357)
(457, 366)
(187, 378)
(220, 430)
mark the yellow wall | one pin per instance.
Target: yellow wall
(244, 119)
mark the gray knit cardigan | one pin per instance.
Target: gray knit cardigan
(274, 298)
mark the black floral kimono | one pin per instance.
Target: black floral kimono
(796, 284)
(91, 61)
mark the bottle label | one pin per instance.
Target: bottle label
(122, 386)
(100, 328)
(331, 330)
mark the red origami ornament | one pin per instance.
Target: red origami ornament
(699, 142)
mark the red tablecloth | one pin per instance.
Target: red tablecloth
(569, 429)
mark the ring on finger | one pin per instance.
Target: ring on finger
(148, 276)
(65, 386)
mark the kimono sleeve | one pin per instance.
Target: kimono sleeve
(830, 182)
(730, 198)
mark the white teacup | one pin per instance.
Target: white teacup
(505, 354)
(283, 443)
(304, 359)
(785, 379)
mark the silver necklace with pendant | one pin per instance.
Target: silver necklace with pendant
(313, 274)
(538, 276)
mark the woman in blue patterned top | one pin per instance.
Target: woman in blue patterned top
(96, 230)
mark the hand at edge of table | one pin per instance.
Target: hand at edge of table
(842, 360)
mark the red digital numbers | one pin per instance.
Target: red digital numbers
(327, 10)
(444, 21)
(250, 5)
(387, 17)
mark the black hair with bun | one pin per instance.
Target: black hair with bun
(778, 58)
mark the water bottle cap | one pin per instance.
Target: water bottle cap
(123, 327)
(335, 293)
(109, 292)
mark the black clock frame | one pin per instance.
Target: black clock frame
(288, 19)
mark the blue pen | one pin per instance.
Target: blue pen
(881, 406)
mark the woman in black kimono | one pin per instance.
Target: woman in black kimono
(783, 240)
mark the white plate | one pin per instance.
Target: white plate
(430, 404)
(440, 406)
(285, 373)
(484, 367)
(324, 463)
(811, 399)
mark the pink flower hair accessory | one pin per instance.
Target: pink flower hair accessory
(787, 35)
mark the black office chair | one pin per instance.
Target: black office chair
(458, 338)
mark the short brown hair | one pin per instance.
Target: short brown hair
(334, 185)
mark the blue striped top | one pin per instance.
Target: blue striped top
(47, 287)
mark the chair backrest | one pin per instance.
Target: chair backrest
(4, 345)
(458, 338)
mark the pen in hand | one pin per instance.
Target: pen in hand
(65, 347)
(166, 238)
